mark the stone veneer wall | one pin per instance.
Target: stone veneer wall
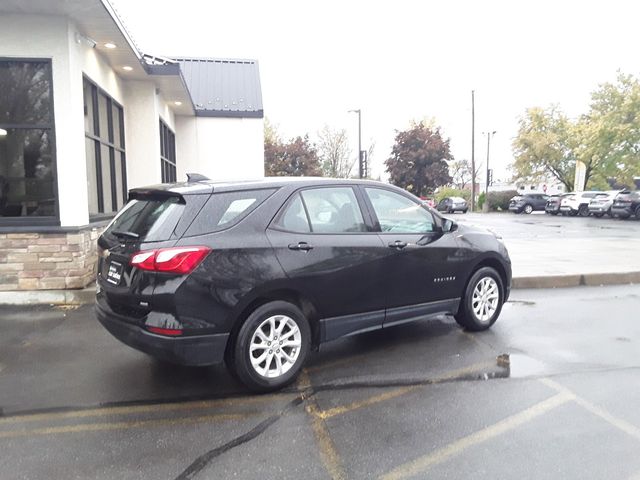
(48, 261)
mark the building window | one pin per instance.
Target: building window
(167, 153)
(27, 144)
(105, 151)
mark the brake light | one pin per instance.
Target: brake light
(170, 332)
(180, 260)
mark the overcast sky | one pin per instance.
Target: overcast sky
(403, 60)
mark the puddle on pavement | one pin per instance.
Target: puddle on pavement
(527, 303)
(520, 365)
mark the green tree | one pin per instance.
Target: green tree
(611, 131)
(545, 145)
(418, 161)
(298, 157)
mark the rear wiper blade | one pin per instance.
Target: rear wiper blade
(119, 234)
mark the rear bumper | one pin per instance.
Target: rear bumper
(194, 350)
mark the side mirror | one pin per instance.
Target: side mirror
(449, 226)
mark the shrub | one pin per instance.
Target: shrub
(481, 199)
(452, 192)
(500, 200)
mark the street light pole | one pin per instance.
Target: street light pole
(360, 173)
(473, 150)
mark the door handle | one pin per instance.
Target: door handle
(399, 244)
(304, 246)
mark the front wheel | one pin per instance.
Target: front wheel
(528, 209)
(482, 301)
(637, 212)
(271, 346)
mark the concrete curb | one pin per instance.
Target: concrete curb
(576, 280)
(49, 297)
(88, 295)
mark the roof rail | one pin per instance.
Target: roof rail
(196, 177)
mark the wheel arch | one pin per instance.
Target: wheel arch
(283, 294)
(496, 265)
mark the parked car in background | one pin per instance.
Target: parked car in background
(553, 204)
(528, 202)
(452, 205)
(600, 205)
(259, 273)
(626, 204)
(577, 203)
(428, 201)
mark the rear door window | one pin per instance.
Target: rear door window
(225, 209)
(333, 210)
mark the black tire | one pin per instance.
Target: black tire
(528, 209)
(637, 212)
(466, 317)
(239, 360)
(583, 210)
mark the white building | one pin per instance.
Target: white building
(84, 116)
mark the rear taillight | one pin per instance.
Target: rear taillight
(180, 260)
(169, 332)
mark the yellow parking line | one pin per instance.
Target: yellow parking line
(149, 408)
(332, 412)
(598, 411)
(94, 427)
(328, 452)
(421, 464)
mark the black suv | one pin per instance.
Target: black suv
(626, 204)
(259, 273)
(528, 202)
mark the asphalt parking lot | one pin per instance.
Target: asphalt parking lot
(544, 245)
(549, 392)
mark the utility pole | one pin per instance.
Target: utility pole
(360, 156)
(485, 205)
(473, 150)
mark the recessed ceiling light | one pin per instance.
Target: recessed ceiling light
(177, 103)
(109, 45)
(127, 68)
(3, 132)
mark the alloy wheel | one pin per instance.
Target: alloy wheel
(485, 299)
(275, 346)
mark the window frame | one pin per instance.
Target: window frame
(168, 161)
(42, 221)
(362, 205)
(113, 149)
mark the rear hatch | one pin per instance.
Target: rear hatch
(150, 220)
(600, 199)
(623, 200)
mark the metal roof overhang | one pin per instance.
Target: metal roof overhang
(98, 21)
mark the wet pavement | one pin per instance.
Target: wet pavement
(541, 244)
(549, 392)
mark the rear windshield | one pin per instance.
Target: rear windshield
(152, 220)
(224, 210)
